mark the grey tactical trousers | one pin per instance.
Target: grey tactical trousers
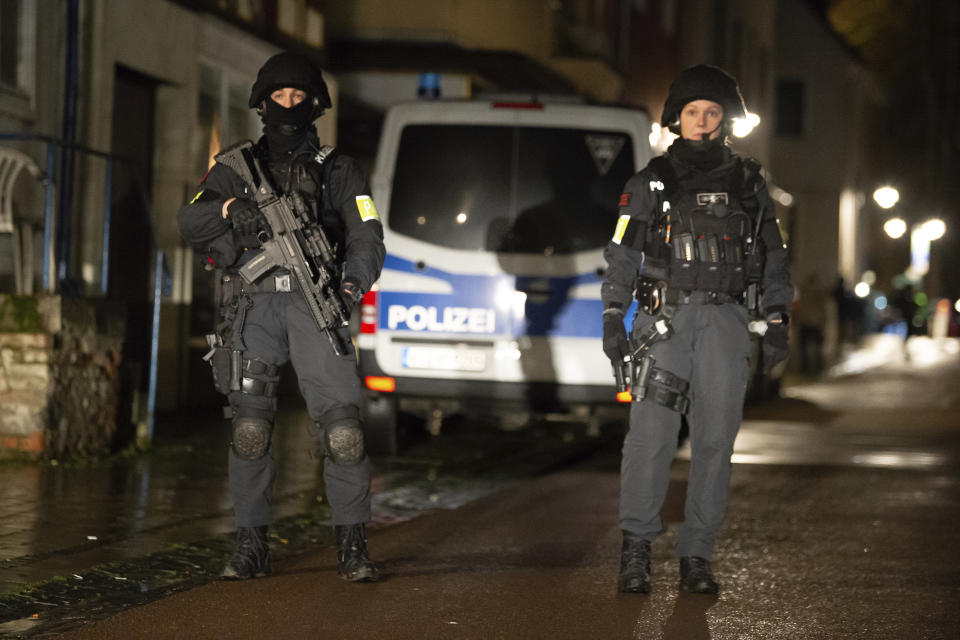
(711, 349)
(278, 328)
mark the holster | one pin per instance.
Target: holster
(226, 342)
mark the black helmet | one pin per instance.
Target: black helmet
(290, 70)
(703, 82)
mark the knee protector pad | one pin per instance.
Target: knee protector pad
(343, 441)
(251, 437)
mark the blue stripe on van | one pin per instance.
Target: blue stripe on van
(473, 309)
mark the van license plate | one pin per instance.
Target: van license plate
(443, 358)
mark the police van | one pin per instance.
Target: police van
(495, 217)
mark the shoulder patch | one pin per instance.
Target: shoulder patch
(368, 211)
(625, 199)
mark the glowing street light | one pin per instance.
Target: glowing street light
(743, 126)
(886, 197)
(895, 227)
(921, 235)
(933, 229)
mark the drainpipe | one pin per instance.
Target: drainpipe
(69, 138)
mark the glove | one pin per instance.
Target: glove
(614, 337)
(246, 218)
(775, 346)
(350, 294)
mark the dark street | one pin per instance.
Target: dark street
(839, 526)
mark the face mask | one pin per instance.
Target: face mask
(286, 128)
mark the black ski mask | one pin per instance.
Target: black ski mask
(287, 128)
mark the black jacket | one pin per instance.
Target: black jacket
(640, 202)
(338, 191)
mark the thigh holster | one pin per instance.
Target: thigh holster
(259, 378)
(665, 388)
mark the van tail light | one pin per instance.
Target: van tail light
(368, 310)
(518, 105)
(624, 396)
(381, 383)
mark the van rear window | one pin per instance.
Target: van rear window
(509, 189)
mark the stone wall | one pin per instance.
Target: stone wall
(59, 375)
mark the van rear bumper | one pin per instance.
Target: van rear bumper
(483, 394)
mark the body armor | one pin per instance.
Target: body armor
(703, 240)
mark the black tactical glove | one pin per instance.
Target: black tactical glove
(246, 218)
(775, 346)
(350, 294)
(614, 336)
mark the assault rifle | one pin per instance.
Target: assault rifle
(297, 244)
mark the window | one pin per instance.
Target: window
(223, 117)
(17, 19)
(790, 107)
(509, 189)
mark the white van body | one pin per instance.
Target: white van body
(495, 217)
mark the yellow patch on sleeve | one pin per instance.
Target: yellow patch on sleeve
(621, 228)
(367, 209)
(199, 193)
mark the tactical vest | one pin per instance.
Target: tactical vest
(309, 173)
(704, 239)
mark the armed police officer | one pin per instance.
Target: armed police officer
(696, 242)
(267, 322)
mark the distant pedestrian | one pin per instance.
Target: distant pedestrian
(810, 318)
(696, 236)
(267, 323)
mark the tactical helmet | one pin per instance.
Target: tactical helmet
(703, 82)
(289, 69)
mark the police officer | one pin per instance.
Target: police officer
(268, 321)
(696, 239)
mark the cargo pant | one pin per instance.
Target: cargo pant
(277, 328)
(711, 349)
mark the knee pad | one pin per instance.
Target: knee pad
(343, 440)
(251, 437)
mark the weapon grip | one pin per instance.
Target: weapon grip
(640, 388)
(618, 373)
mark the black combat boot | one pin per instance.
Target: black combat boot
(695, 575)
(251, 558)
(634, 564)
(353, 561)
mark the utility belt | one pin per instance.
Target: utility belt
(277, 281)
(654, 295)
(675, 296)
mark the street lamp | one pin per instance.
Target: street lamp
(934, 228)
(886, 196)
(743, 126)
(921, 235)
(895, 227)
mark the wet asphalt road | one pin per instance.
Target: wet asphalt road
(842, 523)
